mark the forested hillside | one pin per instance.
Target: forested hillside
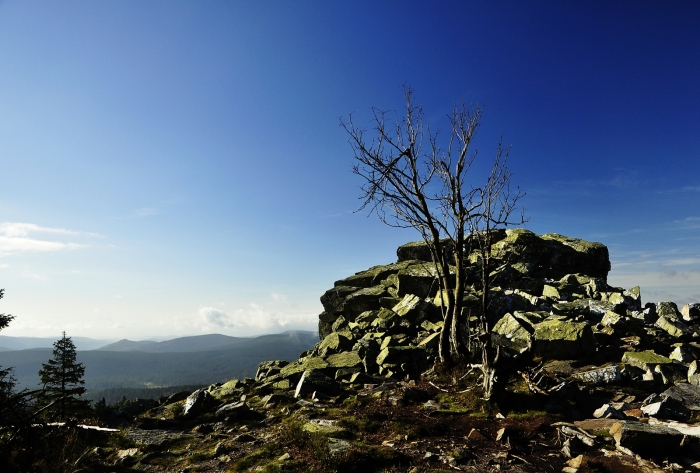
(138, 369)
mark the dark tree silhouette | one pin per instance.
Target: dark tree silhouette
(9, 401)
(62, 380)
(7, 381)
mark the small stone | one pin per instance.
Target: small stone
(607, 411)
(476, 435)
(577, 462)
(638, 413)
(244, 438)
(500, 434)
(220, 449)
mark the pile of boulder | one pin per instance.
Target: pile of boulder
(551, 297)
(552, 300)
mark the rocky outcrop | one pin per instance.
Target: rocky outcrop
(553, 300)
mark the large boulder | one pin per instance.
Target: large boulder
(315, 381)
(419, 250)
(552, 255)
(645, 360)
(647, 440)
(691, 312)
(333, 343)
(514, 332)
(198, 402)
(413, 308)
(236, 412)
(563, 340)
(363, 300)
(419, 279)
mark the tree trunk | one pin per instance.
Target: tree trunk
(489, 361)
(444, 347)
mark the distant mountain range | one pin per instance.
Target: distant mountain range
(203, 359)
(8, 343)
(178, 345)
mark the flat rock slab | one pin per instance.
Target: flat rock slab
(322, 426)
(605, 375)
(656, 441)
(155, 437)
(592, 425)
(685, 429)
(686, 394)
(644, 360)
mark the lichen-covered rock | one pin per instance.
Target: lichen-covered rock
(673, 327)
(348, 359)
(365, 319)
(644, 360)
(413, 308)
(672, 373)
(325, 323)
(603, 375)
(372, 276)
(646, 440)
(430, 343)
(230, 388)
(418, 279)
(333, 343)
(302, 364)
(363, 300)
(267, 368)
(514, 332)
(669, 310)
(612, 319)
(683, 352)
(633, 298)
(420, 251)
(550, 292)
(563, 340)
(691, 312)
(315, 380)
(333, 299)
(396, 356)
(553, 255)
(429, 326)
(237, 411)
(197, 403)
(572, 309)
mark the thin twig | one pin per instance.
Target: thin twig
(437, 387)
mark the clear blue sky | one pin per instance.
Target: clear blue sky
(177, 168)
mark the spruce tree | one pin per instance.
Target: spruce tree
(9, 400)
(62, 380)
(7, 380)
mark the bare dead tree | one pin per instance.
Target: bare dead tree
(410, 182)
(497, 208)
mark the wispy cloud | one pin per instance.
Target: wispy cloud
(27, 274)
(19, 237)
(254, 317)
(145, 212)
(20, 229)
(679, 190)
(623, 180)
